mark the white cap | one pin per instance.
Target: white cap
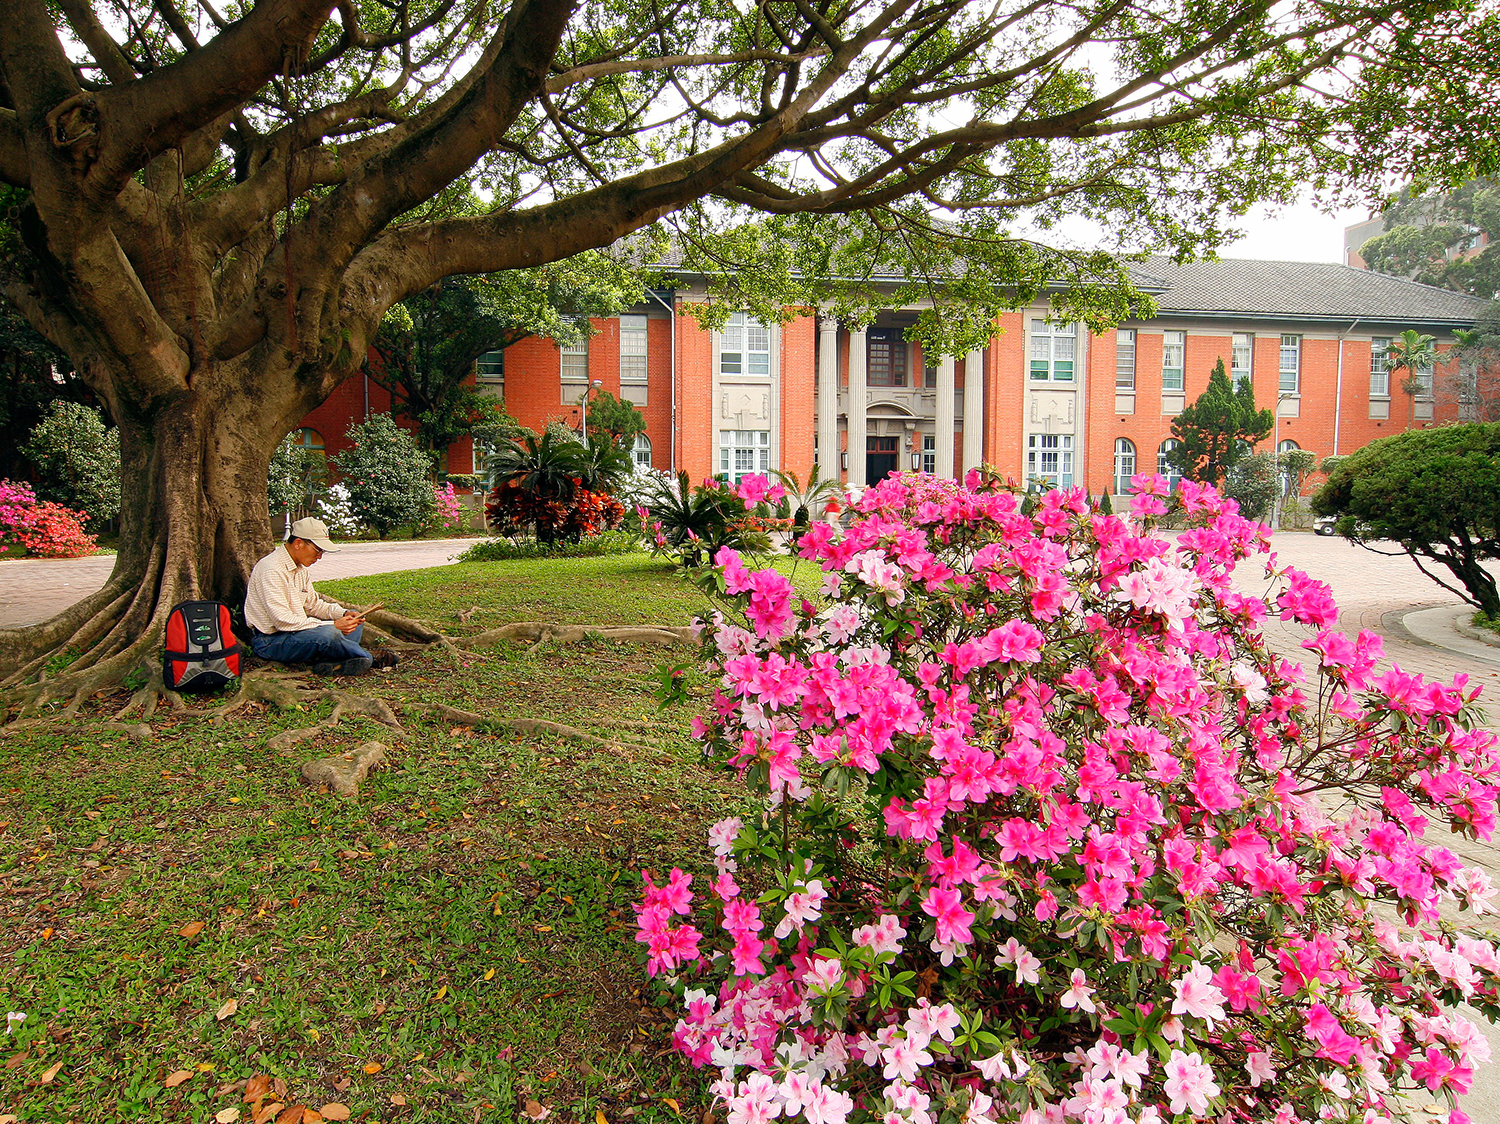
(314, 531)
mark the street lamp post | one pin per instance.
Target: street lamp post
(593, 386)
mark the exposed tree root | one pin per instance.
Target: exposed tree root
(284, 690)
(532, 726)
(151, 695)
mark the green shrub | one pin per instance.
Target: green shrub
(77, 459)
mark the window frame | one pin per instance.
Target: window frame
(1124, 380)
(739, 334)
(1241, 374)
(895, 340)
(759, 450)
(633, 360)
(1164, 468)
(573, 358)
(1052, 335)
(1037, 451)
(929, 453)
(1128, 455)
(636, 451)
(1295, 371)
(1380, 366)
(489, 379)
(1174, 378)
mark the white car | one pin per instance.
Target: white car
(1323, 524)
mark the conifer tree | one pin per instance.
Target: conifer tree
(1217, 429)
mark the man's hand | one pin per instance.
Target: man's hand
(348, 622)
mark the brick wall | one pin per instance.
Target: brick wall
(799, 364)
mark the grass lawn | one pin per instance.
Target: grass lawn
(454, 945)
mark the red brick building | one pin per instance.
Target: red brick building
(1041, 400)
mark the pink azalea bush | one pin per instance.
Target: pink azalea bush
(448, 511)
(43, 529)
(1049, 834)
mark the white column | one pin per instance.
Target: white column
(943, 427)
(973, 410)
(828, 398)
(857, 357)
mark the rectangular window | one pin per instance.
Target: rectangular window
(575, 371)
(490, 367)
(1380, 371)
(885, 353)
(1053, 348)
(1125, 359)
(1421, 379)
(929, 453)
(632, 349)
(929, 377)
(744, 347)
(1291, 365)
(1049, 457)
(1173, 345)
(743, 452)
(1242, 358)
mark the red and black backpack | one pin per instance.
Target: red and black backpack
(201, 652)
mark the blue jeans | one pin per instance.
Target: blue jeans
(322, 645)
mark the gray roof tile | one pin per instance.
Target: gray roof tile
(1312, 290)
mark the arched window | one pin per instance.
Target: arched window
(1165, 467)
(1124, 465)
(310, 439)
(640, 454)
(1286, 478)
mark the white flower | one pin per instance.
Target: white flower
(1078, 993)
(14, 1017)
(1027, 966)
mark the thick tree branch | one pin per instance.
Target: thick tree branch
(152, 114)
(15, 168)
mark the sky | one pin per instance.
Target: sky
(1297, 233)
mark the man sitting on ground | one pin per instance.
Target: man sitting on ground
(292, 623)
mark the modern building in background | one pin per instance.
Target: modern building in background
(1043, 400)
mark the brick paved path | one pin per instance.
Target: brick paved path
(31, 590)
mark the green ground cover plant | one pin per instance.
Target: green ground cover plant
(180, 914)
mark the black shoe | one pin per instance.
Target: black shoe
(385, 660)
(356, 666)
(326, 667)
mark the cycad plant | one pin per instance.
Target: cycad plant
(696, 522)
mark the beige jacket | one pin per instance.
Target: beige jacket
(281, 597)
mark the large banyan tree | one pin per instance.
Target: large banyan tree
(210, 204)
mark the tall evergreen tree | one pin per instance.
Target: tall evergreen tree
(1218, 429)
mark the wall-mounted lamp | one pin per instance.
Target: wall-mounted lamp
(916, 462)
(843, 460)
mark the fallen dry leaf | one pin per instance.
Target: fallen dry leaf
(16, 1059)
(534, 1110)
(230, 1087)
(599, 1117)
(51, 1073)
(672, 1104)
(311, 1116)
(398, 1099)
(335, 1111)
(190, 930)
(7, 1119)
(442, 991)
(228, 1115)
(373, 1067)
(257, 1087)
(292, 1115)
(175, 1079)
(278, 1089)
(342, 1084)
(267, 1111)
(229, 1008)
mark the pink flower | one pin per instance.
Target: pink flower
(1189, 1084)
(1197, 996)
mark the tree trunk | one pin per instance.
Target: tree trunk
(194, 520)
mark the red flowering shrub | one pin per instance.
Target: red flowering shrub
(45, 530)
(514, 510)
(1050, 835)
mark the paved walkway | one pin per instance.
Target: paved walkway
(33, 589)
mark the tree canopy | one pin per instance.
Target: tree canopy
(217, 205)
(426, 347)
(1436, 492)
(1217, 429)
